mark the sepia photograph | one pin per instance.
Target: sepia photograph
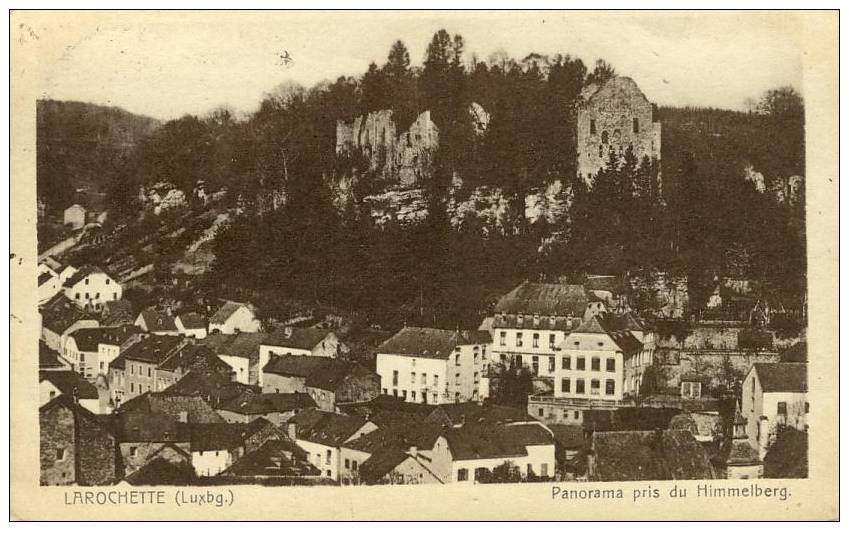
(315, 253)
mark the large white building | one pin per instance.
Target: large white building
(90, 288)
(775, 395)
(531, 321)
(298, 341)
(234, 317)
(434, 366)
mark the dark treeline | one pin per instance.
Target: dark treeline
(431, 273)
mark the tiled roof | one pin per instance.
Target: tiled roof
(479, 441)
(387, 410)
(380, 463)
(429, 342)
(217, 436)
(275, 458)
(82, 272)
(196, 409)
(546, 300)
(154, 349)
(60, 313)
(158, 321)
(67, 381)
(44, 277)
(147, 426)
(227, 309)
(195, 357)
(89, 339)
(214, 386)
(649, 456)
(296, 337)
(782, 377)
(324, 427)
(296, 365)
(160, 472)
(243, 344)
(260, 404)
(47, 358)
(193, 320)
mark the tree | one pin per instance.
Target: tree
(601, 73)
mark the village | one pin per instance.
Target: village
(562, 380)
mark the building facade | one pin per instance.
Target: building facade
(774, 396)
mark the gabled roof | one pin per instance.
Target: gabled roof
(117, 312)
(89, 339)
(296, 365)
(47, 358)
(782, 377)
(149, 426)
(649, 456)
(157, 321)
(68, 381)
(275, 458)
(569, 436)
(154, 349)
(465, 412)
(474, 441)
(195, 357)
(326, 428)
(217, 436)
(623, 339)
(44, 277)
(296, 337)
(430, 342)
(228, 309)
(546, 300)
(243, 344)
(193, 320)
(105, 422)
(213, 386)
(60, 313)
(600, 282)
(263, 403)
(160, 472)
(82, 273)
(197, 411)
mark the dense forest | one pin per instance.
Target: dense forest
(693, 214)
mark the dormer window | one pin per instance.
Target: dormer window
(552, 321)
(519, 319)
(536, 320)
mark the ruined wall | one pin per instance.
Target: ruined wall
(98, 454)
(613, 118)
(57, 432)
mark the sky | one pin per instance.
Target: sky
(169, 64)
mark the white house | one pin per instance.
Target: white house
(74, 216)
(299, 341)
(774, 396)
(240, 351)
(48, 283)
(433, 366)
(532, 319)
(52, 383)
(234, 317)
(90, 288)
(322, 435)
(156, 322)
(192, 324)
(59, 318)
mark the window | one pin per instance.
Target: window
(394, 378)
(413, 395)
(577, 414)
(107, 281)
(567, 362)
(424, 378)
(329, 473)
(691, 389)
(434, 398)
(518, 339)
(609, 387)
(604, 138)
(592, 127)
(611, 365)
(114, 296)
(476, 358)
(52, 395)
(579, 386)
(807, 408)
(457, 359)
(503, 338)
(354, 465)
(782, 408)
(551, 364)
(60, 453)
(540, 412)
(530, 470)
(86, 281)
(347, 463)
(134, 451)
(551, 339)
(149, 372)
(435, 380)
(132, 369)
(596, 364)
(385, 390)
(566, 385)
(404, 394)
(581, 364)
(595, 386)
(394, 392)
(327, 457)
(543, 470)
(132, 388)
(535, 364)
(636, 125)
(86, 295)
(536, 340)
(412, 378)
(462, 474)
(77, 296)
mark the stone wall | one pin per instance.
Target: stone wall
(57, 432)
(720, 368)
(98, 453)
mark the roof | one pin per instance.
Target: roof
(154, 349)
(195, 357)
(217, 436)
(599, 282)
(159, 472)
(629, 418)
(147, 426)
(68, 382)
(782, 377)
(649, 456)
(430, 342)
(295, 365)
(196, 409)
(462, 412)
(611, 85)
(319, 372)
(387, 410)
(106, 422)
(274, 458)
(157, 321)
(193, 320)
(569, 436)
(623, 339)
(260, 404)
(296, 337)
(476, 441)
(82, 272)
(382, 462)
(117, 312)
(60, 313)
(213, 386)
(797, 353)
(243, 344)
(546, 300)
(44, 277)
(228, 309)
(47, 358)
(89, 339)
(324, 427)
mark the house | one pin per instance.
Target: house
(191, 324)
(146, 435)
(193, 410)
(597, 365)
(531, 321)
(83, 346)
(322, 434)
(115, 313)
(215, 447)
(90, 287)
(241, 351)
(328, 381)
(214, 387)
(276, 459)
(77, 447)
(133, 371)
(48, 284)
(611, 289)
(156, 322)
(433, 366)
(389, 457)
(234, 317)
(274, 407)
(570, 447)
(53, 383)
(160, 471)
(649, 455)
(774, 396)
(299, 341)
(74, 216)
(59, 318)
(49, 359)
(191, 358)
